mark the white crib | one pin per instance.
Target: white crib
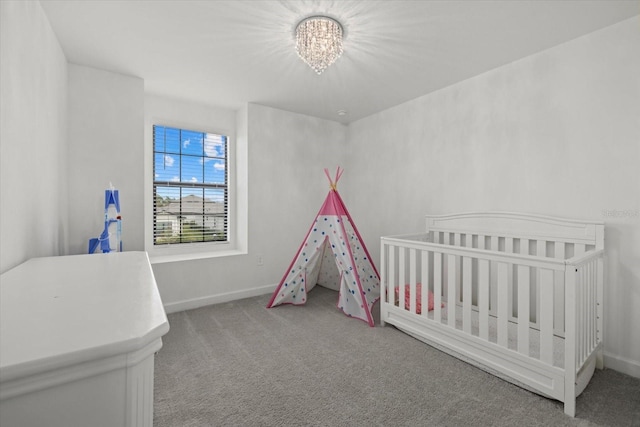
(520, 296)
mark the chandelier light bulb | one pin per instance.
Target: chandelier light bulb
(319, 41)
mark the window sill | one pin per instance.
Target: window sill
(165, 258)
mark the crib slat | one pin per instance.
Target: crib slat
(503, 306)
(580, 344)
(391, 284)
(508, 245)
(384, 280)
(457, 241)
(483, 298)
(523, 309)
(466, 297)
(451, 290)
(401, 277)
(559, 250)
(585, 312)
(493, 271)
(481, 241)
(570, 354)
(424, 280)
(437, 287)
(579, 249)
(412, 280)
(599, 310)
(594, 305)
(541, 251)
(559, 314)
(589, 309)
(508, 248)
(546, 316)
(525, 250)
(473, 280)
(494, 241)
(582, 314)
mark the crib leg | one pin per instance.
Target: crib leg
(570, 395)
(600, 358)
(570, 406)
(383, 315)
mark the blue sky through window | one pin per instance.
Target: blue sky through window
(189, 157)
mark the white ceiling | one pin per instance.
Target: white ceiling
(228, 53)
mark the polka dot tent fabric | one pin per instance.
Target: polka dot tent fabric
(332, 255)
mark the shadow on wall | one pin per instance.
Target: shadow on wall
(622, 283)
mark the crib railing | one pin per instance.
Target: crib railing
(526, 290)
(537, 246)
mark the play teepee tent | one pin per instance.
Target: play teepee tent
(332, 255)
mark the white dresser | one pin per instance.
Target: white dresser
(78, 336)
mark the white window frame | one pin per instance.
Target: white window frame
(179, 186)
(237, 195)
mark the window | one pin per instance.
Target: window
(190, 187)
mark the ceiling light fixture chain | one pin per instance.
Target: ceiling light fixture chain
(319, 41)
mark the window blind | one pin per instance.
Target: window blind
(190, 186)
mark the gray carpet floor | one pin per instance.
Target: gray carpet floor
(240, 364)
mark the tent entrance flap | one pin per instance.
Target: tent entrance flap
(316, 266)
(328, 274)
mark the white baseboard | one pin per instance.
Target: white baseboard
(190, 304)
(620, 364)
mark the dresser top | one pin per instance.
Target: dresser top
(61, 311)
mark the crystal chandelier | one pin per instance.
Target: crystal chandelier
(319, 41)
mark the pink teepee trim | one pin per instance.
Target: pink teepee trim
(355, 229)
(355, 273)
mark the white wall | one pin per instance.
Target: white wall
(286, 183)
(557, 133)
(33, 143)
(106, 144)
